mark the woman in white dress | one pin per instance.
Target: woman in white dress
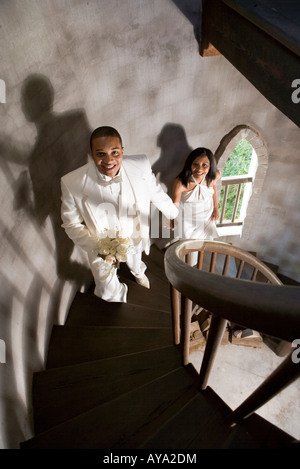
(194, 192)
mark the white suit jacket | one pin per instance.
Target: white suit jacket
(84, 211)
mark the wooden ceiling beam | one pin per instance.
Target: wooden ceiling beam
(257, 48)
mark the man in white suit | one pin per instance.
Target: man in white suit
(112, 192)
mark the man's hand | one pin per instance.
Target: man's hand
(169, 224)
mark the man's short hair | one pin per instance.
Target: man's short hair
(105, 131)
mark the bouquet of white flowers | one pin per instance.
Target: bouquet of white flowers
(112, 247)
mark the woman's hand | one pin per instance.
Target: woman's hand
(215, 214)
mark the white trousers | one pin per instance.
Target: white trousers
(108, 287)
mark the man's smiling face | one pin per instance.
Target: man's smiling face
(107, 153)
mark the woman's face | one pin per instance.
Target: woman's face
(200, 167)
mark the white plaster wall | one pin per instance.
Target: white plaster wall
(135, 65)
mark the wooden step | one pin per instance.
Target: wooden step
(62, 393)
(201, 422)
(154, 272)
(155, 260)
(115, 381)
(155, 298)
(257, 433)
(287, 280)
(88, 309)
(77, 344)
(158, 285)
(138, 295)
(124, 422)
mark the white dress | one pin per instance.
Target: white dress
(196, 208)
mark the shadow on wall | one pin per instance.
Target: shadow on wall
(20, 328)
(61, 146)
(174, 150)
(192, 10)
(30, 299)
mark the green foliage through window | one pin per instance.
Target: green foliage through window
(237, 164)
(239, 161)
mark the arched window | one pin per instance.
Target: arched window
(242, 160)
(236, 186)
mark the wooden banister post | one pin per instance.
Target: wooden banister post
(187, 330)
(176, 307)
(215, 335)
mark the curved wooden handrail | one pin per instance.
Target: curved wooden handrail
(270, 309)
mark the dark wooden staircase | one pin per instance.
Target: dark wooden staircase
(114, 380)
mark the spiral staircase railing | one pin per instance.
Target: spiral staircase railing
(265, 306)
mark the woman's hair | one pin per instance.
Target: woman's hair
(185, 175)
(105, 131)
